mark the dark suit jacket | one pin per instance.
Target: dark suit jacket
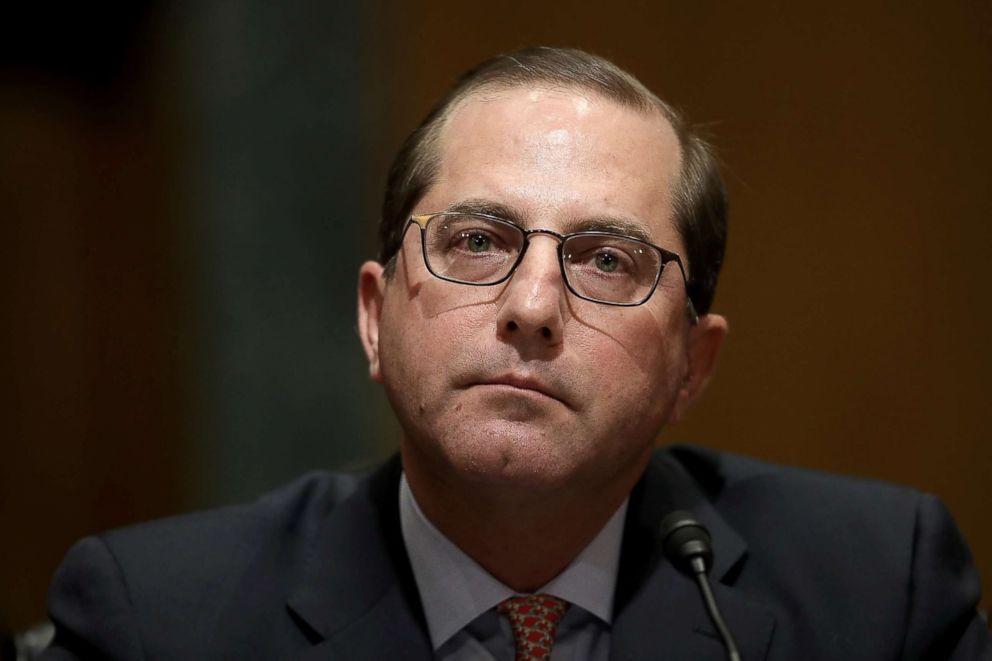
(808, 566)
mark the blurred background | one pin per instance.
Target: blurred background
(187, 190)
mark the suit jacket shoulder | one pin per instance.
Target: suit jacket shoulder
(842, 567)
(211, 584)
(808, 566)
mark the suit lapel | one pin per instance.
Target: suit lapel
(358, 598)
(659, 612)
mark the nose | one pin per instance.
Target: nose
(532, 307)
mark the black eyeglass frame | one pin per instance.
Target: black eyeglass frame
(422, 220)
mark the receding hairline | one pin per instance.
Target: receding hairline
(491, 91)
(644, 101)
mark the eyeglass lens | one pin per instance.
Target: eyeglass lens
(481, 250)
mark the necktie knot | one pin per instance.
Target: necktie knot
(534, 619)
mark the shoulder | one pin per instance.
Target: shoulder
(741, 486)
(795, 514)
(821, 542)
(124, 591)
(289, 512)
(282, 517)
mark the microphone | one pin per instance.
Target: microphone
(687, 545)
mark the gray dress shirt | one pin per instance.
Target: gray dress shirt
(459, 596)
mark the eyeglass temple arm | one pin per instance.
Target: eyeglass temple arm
(691, 310)
(690, 307)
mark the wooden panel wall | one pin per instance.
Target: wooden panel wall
(89, 413)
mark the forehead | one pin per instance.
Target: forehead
(559, 158)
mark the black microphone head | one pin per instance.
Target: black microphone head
(685, 541)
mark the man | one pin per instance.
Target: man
(551, 239)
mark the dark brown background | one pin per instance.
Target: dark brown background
(856, 143)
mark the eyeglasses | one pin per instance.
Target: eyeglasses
(476, 249)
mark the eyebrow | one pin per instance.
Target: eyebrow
(487, 208)
(610, 224)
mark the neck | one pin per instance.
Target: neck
(522, 537)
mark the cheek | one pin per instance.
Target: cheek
(446, 316)
(427, 332)
(434, 302)
(647, 336)
(637, 360)
(454, 308)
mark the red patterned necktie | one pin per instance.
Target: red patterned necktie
(535, 619)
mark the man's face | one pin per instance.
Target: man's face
(523, 383)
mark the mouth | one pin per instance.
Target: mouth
(525, 385)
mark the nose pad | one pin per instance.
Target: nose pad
(533, 302)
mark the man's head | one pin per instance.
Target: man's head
(700, 199)
(522, 383)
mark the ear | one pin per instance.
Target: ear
(371, 292)
(702, 346)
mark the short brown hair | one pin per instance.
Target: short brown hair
(700, 196)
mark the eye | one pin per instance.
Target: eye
(476, 241)
(607, 256)
(601, 260)
(606, 262)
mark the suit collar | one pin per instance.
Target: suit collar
(658, 608)
(357, 598)
(668, 485)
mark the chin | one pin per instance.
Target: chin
(513, 453)
(519, 476)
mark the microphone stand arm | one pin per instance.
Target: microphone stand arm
(699, 570)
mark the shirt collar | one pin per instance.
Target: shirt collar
(454, 589)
